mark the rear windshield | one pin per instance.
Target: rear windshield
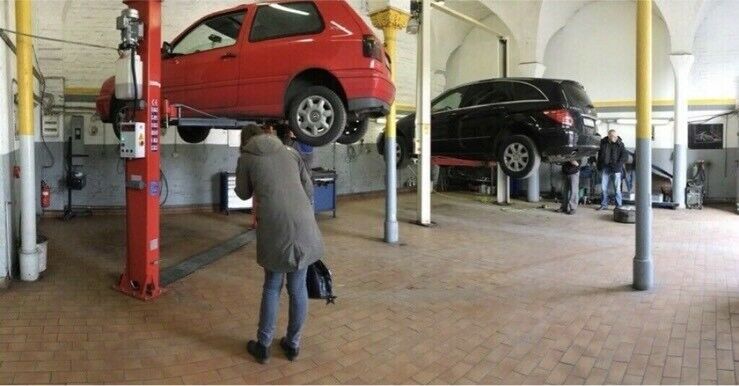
(576, 96)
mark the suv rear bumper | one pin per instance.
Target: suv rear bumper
(565, 145)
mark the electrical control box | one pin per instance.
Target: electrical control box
(133, 140)
(77, 133)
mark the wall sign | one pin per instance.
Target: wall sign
(706, 136)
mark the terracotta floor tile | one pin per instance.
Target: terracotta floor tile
(493, 295)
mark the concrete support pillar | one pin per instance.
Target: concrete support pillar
(503, 187)
(390, 20)
(681, 64)
(5, 129)
(643, 265)
(423, 117)
(24, 57)
(737, 188)
(533, 70)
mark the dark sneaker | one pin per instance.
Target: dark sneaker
(602, 207)
(290, 352)
(258, 351)
(571, 212)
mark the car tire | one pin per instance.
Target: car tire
(354, 131)
(317, 116)
(193, 135)
(518, 156)
(625, 214)
(402, 150)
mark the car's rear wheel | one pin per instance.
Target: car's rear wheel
(518, 156)
(193, 135)
(317, 116)
(354, 131)
(402, 150)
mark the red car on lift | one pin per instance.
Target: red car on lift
(315, 64)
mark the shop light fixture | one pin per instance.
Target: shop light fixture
(632, 121)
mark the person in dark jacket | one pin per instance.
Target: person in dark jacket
(288, 138)
(611, 158)
(571, 187)
(288, 238)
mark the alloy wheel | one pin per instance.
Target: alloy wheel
(516, 156)
(315, 116)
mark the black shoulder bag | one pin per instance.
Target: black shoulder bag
(318, 281)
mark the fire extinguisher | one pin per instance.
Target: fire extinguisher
(45, 194)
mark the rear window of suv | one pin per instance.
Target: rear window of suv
(576, 95)
(275, 20)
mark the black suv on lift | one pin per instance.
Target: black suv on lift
(515, 121)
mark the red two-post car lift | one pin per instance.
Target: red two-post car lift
(140, 277)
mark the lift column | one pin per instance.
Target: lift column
(140, 278)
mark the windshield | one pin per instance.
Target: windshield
(576, 95)
(447, 102)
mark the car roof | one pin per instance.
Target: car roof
(246, 5)
(520, 79)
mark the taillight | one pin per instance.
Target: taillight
(561, 116)
(372, 48)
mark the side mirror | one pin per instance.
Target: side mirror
(166, 50)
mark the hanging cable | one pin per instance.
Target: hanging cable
(58, 40)
(135, 85)
(166, 186)
(710, 118)
(41, 112)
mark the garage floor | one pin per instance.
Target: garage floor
(492, 295)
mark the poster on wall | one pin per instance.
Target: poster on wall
(706, 136)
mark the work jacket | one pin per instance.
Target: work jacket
(569, 169)
(288, 238)
(612, 155)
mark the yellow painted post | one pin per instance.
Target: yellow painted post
(643, 265)
(29, 267)
(24, 63)
(389, 34)
(390, 20)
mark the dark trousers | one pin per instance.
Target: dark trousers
(570, 192)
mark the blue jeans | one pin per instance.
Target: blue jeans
(298, 292)
(605, 177)
(629, 179)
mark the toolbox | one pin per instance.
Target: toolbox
(229, 199)
(324, 191)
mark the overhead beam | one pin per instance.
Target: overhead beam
(468, 19)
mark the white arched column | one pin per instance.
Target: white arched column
(681, 64)
(533, 70)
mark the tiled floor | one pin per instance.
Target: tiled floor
(492, 295)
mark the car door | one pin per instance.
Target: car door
(174, 79)
(481, 117)
(206, 57)
(443, 114)
(282, 39)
